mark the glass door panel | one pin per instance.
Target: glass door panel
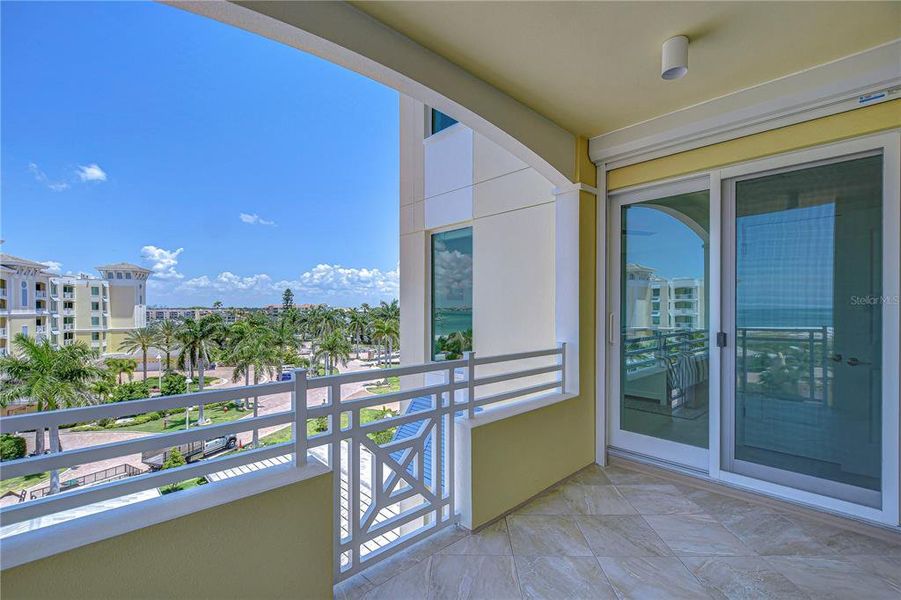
(664, 357)
(808, 328)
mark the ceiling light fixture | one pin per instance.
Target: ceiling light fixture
(674, 64)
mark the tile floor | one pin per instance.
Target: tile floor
(624, 534)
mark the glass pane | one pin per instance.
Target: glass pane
(664, 365)
(440, 121)
(809, 322)
(451, 293)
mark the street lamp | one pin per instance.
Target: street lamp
(159, 366)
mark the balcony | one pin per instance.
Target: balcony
(68, 342)
(68, 326)
(40, 295)
(40, 329)
(95, 343)
(68, 295)
(629, 531)
(3, 292)
(2, 332)
(415, 496)
(68, 312)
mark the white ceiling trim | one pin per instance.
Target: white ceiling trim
(865, 78)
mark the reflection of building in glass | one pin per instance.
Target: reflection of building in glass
(653, 302)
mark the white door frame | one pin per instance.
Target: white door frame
(890, 145)
(682, 455)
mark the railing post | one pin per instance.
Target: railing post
(299, 404)
(562, 361)
(470, 381)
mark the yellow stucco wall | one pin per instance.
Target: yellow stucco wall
(277, 544)
(121, 306)
(862, 121)
(515, 458)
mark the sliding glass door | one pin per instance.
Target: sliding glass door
(661, 388)
(803, 302)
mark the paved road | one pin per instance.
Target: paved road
(268, 404)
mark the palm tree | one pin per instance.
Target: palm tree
(167, 339)
(254, 349)
(334, 348)
(120, 366)
(139, 339)
(357, 327)
(51, 377)
(234, 354)
(386, 332)
(196, 338)
(319, 321)
(387, 312)
(284, 335)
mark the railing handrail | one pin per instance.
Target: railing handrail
(299, 413)
(128, 408)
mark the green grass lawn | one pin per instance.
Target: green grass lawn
(382, 387)
(26, 481)
(216, 413)
(182, 485)
(367, 415)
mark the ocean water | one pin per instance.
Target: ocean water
(449, 321)
(780, 316)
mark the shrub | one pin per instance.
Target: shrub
(133, 390)
(12, 447)
(174, 459)
(106, 422)
(173, 384)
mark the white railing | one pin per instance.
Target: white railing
(68, 326)
(3, 292)
(395, 493)
(68, 295)
(391, 491)
(40, 295)
(68, 312)
(2, 332)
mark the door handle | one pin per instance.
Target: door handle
(853, 362)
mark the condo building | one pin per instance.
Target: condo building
(156, 314)
(98, 311)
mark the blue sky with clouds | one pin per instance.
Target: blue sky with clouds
(231, 165)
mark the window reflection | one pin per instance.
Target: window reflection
(451, 294)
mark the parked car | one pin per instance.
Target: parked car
(192, 451)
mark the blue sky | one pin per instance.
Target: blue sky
(230, 164)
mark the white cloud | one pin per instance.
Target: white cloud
(336, 280)
(254, 219)
(228, 281)
(335, 284)
(41, 177)
(91, 172)
(163, 262)
(53, 266)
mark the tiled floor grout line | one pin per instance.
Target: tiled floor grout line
(577, 505)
